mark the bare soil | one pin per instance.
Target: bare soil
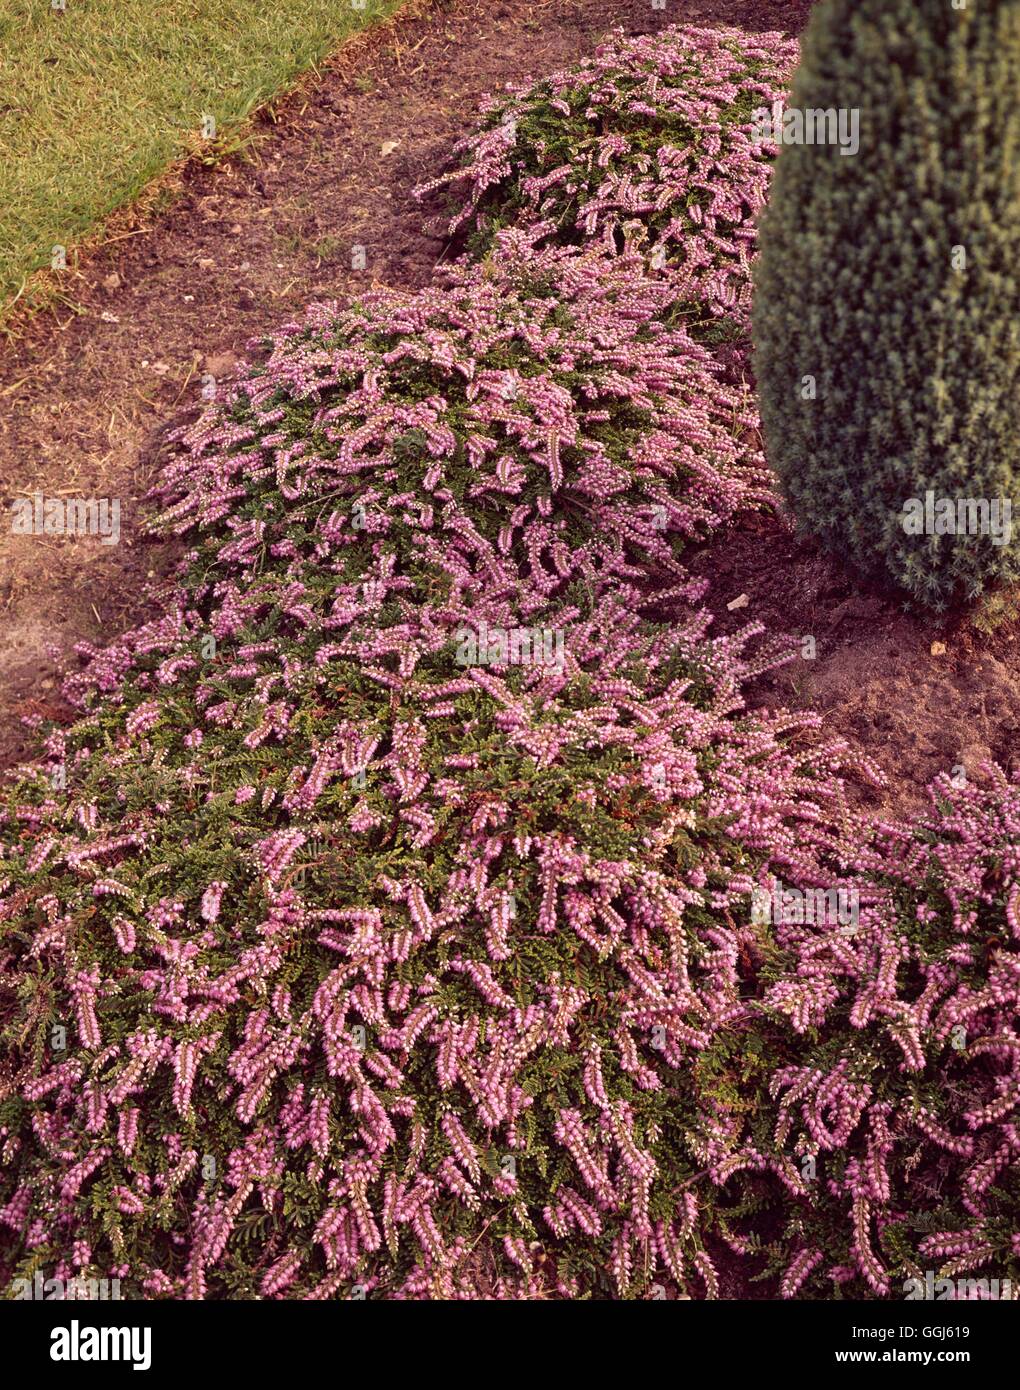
(224, 253)
(919, 696)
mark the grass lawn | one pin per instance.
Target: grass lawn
(97, 98)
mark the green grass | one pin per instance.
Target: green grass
(98, 99)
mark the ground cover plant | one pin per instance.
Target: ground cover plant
(373, 492)
(888, 345)
(100, 98)
(650, 141)
(391, 919)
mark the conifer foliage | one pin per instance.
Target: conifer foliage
(887, 309)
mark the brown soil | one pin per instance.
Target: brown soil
(918, 696)
(85, 399)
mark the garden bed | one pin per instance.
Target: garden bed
(389, 960)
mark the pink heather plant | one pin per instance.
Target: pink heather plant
(650, 142)
(414, 986)
(889, 1139)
